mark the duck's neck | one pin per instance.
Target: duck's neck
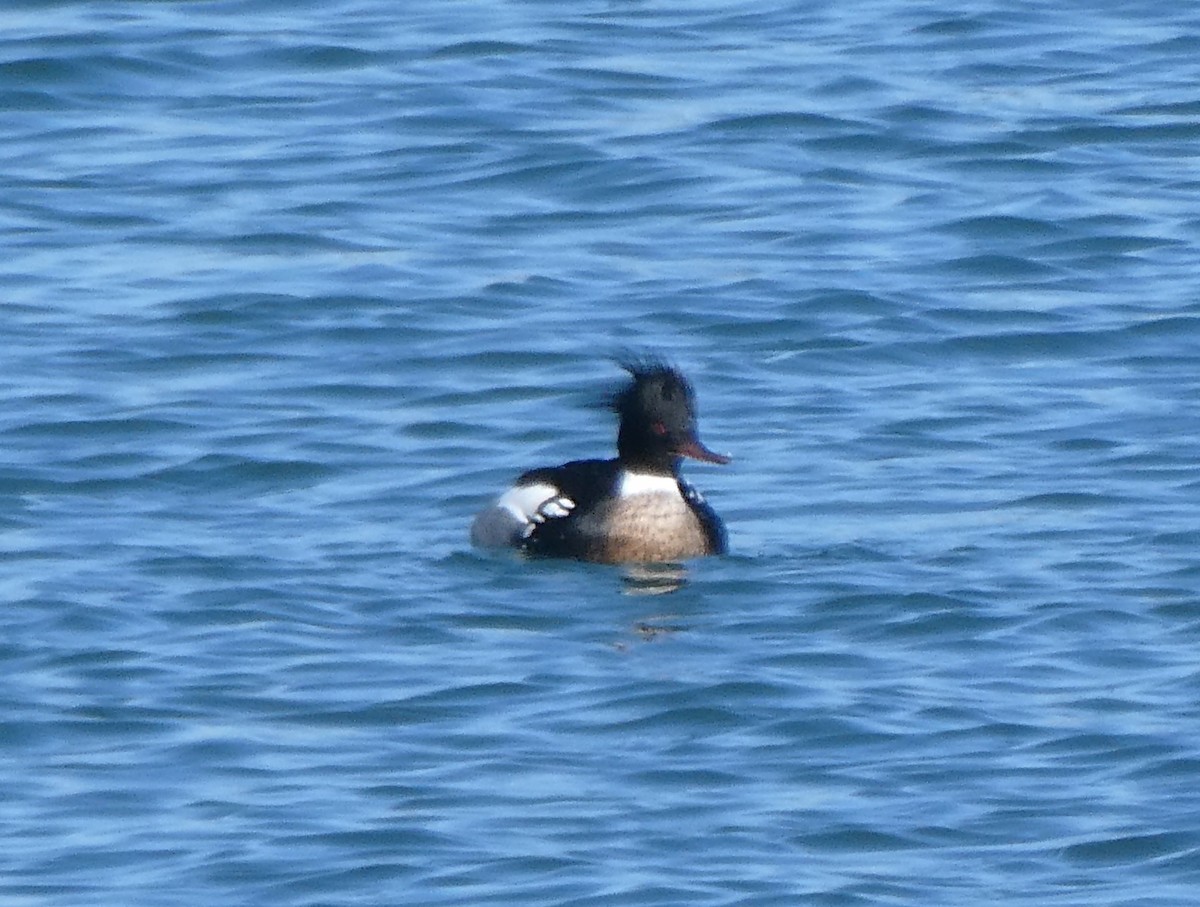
(638, 454)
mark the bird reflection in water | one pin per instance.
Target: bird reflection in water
(653, 579)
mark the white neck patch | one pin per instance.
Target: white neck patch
(634, 483)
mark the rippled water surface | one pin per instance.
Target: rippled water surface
(290, 290)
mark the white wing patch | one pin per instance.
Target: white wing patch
(532, 505)
(523, 501)
(517, 513)
(558, 506)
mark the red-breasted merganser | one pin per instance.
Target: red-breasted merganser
(634, 509)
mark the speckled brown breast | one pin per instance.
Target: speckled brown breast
(649, 527)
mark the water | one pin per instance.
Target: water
(289, 293)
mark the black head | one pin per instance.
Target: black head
(658, 419)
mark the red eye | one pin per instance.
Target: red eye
(659, 429)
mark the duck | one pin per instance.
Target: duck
(634, 508)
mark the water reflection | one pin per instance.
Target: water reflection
(654, 579)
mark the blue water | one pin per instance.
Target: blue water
(289, 290)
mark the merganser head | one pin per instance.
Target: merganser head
(657, 412)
